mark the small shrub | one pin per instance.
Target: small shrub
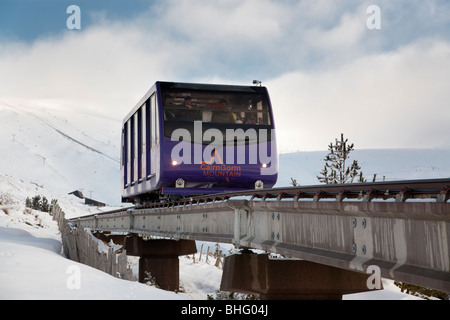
(5, 199)
(40, 203)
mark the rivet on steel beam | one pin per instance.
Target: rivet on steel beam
(364, 223)
(363, 249)
(354, 222)
(354, 248)
(273, 235)
(278, 217)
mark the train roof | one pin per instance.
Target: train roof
(212, 87)
(194, 86)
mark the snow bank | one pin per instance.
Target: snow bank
(33, 267)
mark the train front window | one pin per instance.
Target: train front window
(216, 110)
(216, 107)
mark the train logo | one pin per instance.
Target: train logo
(213, 168)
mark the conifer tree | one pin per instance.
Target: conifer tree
(44, 205)
(336, 169)
(36, 202)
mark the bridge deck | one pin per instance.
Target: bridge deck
(407, 240)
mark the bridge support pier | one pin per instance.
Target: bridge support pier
(159, 258)
(275, 279)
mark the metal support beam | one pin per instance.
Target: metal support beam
(240, 225)
(408, 240)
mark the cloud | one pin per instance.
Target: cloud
(221, 20)
(112, 63)
(325, 71)
(396, 99)
(345, 34)
(105, 67)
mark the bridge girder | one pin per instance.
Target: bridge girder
(408, 241)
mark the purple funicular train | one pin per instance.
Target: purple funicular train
(185, 139)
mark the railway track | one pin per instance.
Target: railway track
(400, 226)
(437, 190)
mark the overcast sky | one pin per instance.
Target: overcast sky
(326, 71)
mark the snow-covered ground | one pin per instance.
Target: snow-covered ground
(32, 265)
(50, 150)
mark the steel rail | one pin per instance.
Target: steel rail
(402, 190)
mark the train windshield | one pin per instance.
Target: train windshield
(221, 110)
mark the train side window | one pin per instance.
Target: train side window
(143, 135)
(148, 128)
(135, 147)
(125, 153)
(155, 120)
(139, 143)
(129, 167)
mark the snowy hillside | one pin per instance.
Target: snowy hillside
(32, 266)
(392, 164)
(51, 150)
(61, 149)
(64, 149)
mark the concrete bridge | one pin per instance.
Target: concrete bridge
(343, 236)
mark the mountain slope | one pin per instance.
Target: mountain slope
(65, 148)
(57, 149)
(387, 164)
